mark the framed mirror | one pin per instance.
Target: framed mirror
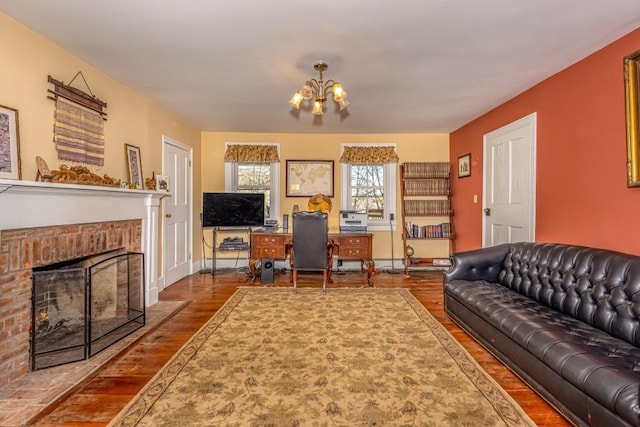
(631, 77)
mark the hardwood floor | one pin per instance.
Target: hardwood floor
(97, 400)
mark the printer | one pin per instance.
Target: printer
(353, 222)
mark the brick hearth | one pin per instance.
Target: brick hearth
(26, 248)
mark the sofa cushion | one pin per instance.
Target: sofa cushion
(604, 367)
(598, 287)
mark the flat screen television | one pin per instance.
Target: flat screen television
(232, 209)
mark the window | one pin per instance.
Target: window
(256, 177)
(371, 188)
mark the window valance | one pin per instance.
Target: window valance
(251, 153)
(368, 155)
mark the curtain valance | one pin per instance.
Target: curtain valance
(369, 155)
(251, 153)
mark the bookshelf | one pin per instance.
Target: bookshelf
(426, 213)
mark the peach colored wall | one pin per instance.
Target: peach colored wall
(582, 197)
(410, 147)
(27, 61)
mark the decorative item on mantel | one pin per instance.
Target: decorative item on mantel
(44, 173)
(150, 183)
(82, 175)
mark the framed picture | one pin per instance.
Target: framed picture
(307, 178)
(134, 166)
(464, 166)
(632, 96)
(162, 183)
(9, 144)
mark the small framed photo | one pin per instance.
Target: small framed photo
(162, 183)
(464, 166)
(9, 144)
(309, 177)
(134, 166)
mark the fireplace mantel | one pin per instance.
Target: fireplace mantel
(27, 204)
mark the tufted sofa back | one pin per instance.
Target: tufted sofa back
(596, 286)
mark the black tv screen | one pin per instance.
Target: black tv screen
(232, 209)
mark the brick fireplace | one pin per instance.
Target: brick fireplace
(45, 223)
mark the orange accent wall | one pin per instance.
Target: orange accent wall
(581, 191)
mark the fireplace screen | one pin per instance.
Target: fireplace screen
(81, 307)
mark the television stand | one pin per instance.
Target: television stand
(234, 239)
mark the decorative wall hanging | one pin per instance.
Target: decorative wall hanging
(78, 130)
(464, 165)
(309, 177)
(9, 143)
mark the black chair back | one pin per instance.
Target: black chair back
(310, 240)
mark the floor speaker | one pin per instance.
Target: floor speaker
(266, 270)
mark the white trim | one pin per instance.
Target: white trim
(231, 173)
(390, 191)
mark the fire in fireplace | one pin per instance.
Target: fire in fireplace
(82, 306)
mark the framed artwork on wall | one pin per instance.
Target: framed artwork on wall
(632, 96)
(134, 166)
(464, 166)
(309, 177)
(9, 144)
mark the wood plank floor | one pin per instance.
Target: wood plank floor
(97, 400)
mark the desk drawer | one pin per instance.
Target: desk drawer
(268, 246)
(354, 246)
(276, 252)
(268, 240)
(361, 252)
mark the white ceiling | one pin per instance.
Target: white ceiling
(408, 65)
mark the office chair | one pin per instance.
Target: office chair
(310, 248)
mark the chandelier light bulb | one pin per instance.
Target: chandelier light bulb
(295, 100)
(317, 108)
(338, 92)
(342, 102)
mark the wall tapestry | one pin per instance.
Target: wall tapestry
(78, 129)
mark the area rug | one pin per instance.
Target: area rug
(352, 357)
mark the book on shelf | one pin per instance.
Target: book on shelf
(434, 231)
(427, 207)
(426, 186)
(426, 170)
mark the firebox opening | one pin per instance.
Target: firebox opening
(82, 306)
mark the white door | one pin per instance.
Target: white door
(177, 227)
(509, 183)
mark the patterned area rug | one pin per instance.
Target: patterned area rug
(353, 357)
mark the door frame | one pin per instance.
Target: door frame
(166, 140)
(530, 121)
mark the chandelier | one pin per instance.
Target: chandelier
(318, 89)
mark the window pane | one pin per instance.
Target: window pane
(367, 190)
(256, 178)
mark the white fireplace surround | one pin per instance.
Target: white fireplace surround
(26, 204)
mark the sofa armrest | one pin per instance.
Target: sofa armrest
(478, 264)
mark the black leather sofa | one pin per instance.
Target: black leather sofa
(566, 319)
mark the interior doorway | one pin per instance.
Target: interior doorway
(177, 223)
(509, 183)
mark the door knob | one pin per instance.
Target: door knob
(168, 215)
(487, 211)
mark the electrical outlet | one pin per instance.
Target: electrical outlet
(392, 216)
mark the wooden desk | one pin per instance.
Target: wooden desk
(351, 247)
